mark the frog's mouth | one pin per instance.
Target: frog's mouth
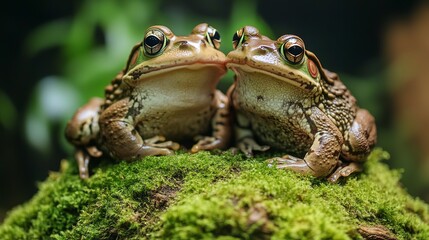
(195, 70)
(141, 72)
(246, 67)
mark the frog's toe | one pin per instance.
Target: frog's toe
(273, 162)
(345, 171)
(154, 151)
(168, 144)
(206, 143)
(234, 150)
(94, 151)
(284, 162)
(290, 162)
(154, 139)
(159, 142)
(82, 159)
(248, 145)
(246, 150)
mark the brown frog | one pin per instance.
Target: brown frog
(284, 99)
(166, 91)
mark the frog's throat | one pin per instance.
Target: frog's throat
(290, 77)
(141, 72)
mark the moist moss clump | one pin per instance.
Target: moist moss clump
(206, 196)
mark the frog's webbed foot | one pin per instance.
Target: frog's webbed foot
(248, 145)
(148, 150)
(345, 171)
(159, 142)
(207, 143)
(82, 160)
(157, 146)
(82, 156)
(93, 151)
(290, 162)
(221, 126)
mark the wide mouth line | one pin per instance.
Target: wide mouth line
(250, 64)
(149, 69)
(274, 74)
(246, 67)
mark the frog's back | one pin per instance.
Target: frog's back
(338, 103)
(115, 91)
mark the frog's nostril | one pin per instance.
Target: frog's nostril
(189, 45)
(183, 44)
(261, 50)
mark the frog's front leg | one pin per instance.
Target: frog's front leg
(221, 126)
(324, 153)
(83, 131)
(360, 139)
(244, 136)
(123, 141)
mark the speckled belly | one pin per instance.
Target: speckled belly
(176, 126)
(286, 133)
(275, 115)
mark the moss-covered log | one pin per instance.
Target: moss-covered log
(208, 196)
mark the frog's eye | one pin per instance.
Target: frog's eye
(292, 49)
(213, 37)
(154, 42)
(238, 38)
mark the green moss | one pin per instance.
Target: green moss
(206, 196)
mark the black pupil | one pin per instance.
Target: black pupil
(216, 35)
(151, 41)
(235, 38)
(295, 50)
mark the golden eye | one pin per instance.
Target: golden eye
(238, 38)
(292, 49)
(213, 37)
(154, 42)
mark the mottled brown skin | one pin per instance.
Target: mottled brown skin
(298, 107)
(162, 95)
(82, 131)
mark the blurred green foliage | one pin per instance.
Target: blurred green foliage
(8, 116)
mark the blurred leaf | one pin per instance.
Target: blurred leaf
(8, 112)
(245, 13)
(91, 67)
(368, 91)
(80, 37)
(49, 35)
(37, 132)
(53, 101)
(56, 97)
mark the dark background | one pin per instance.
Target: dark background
(45, 40)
